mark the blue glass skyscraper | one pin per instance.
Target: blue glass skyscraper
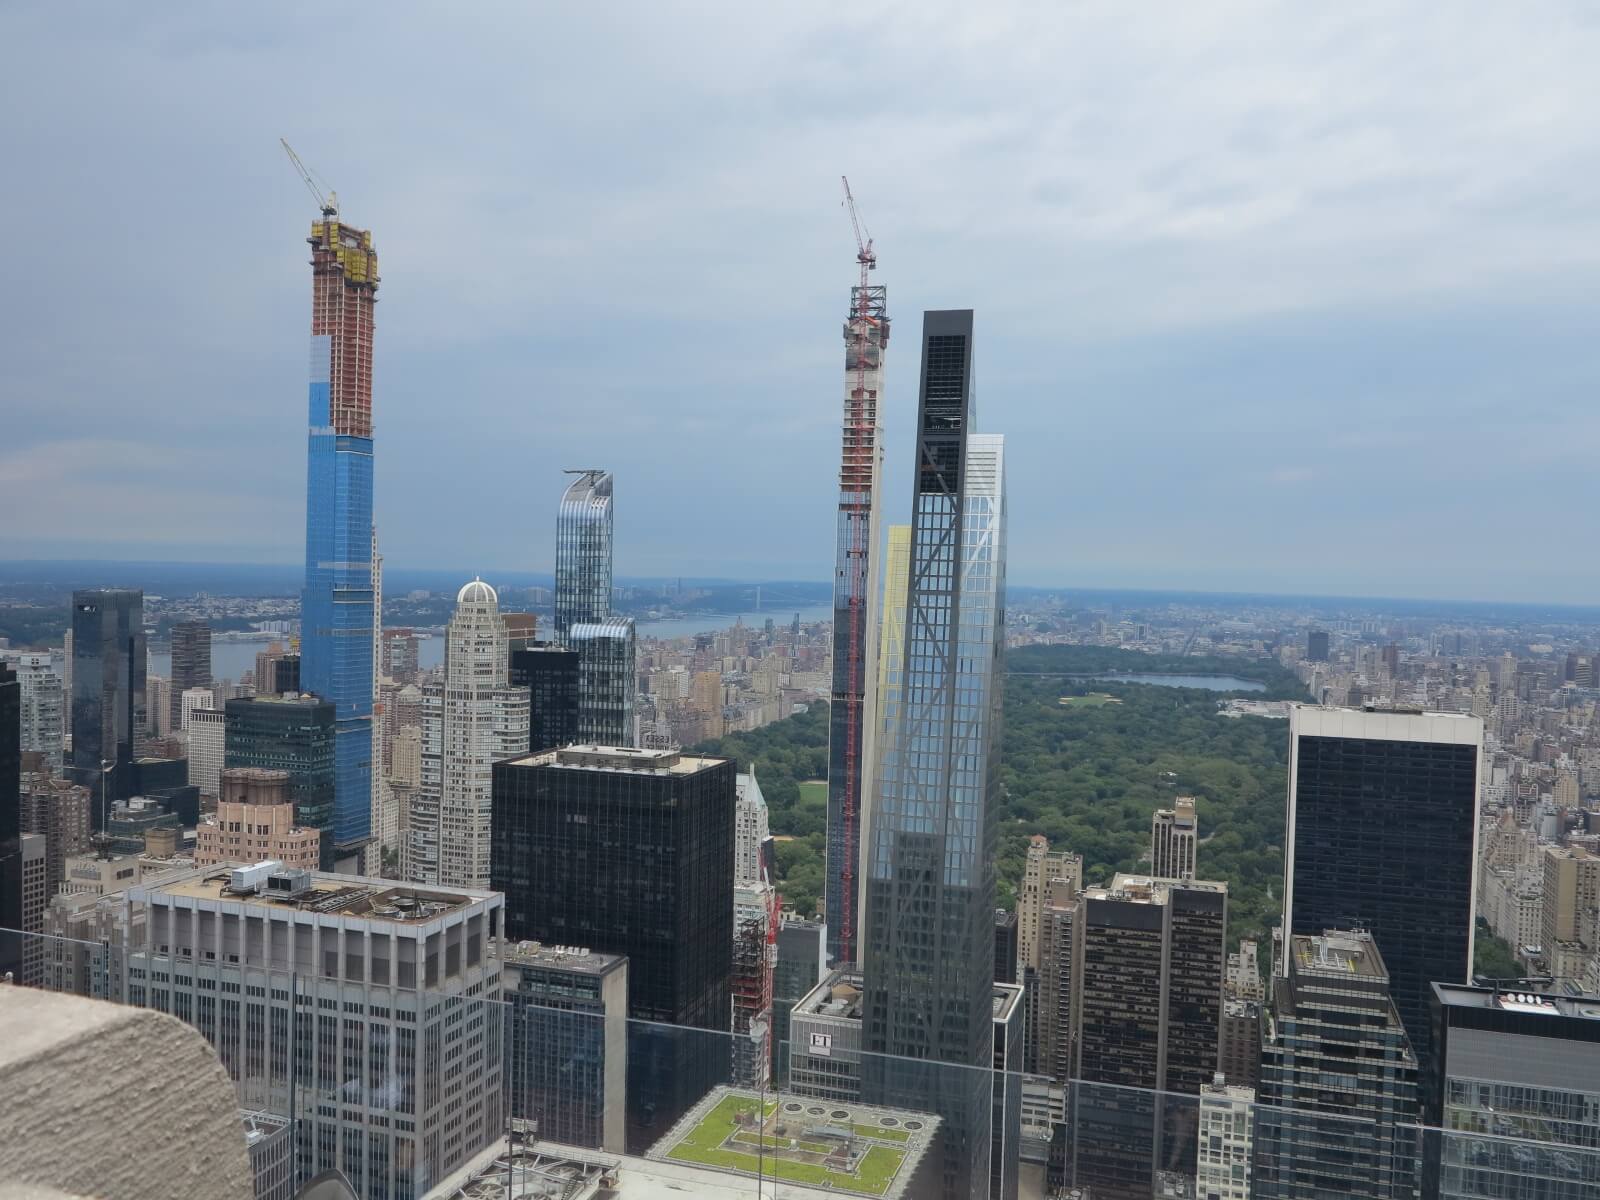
(336, 607)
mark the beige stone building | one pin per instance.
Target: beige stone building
(255, 821)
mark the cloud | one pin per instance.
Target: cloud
(1253, 231)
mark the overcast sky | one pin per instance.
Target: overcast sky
(1290, 298)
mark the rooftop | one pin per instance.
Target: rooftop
(620, 758)
(1336, 953)
(333, 895)
(1533, 1003)
(840, 1149)
(838, 995)
(567, 958)
(1006, 998)
(1150, 889)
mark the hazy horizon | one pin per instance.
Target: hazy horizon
(1308, 312)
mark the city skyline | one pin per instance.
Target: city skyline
(1383, 347)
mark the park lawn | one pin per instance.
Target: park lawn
(813, 790)
(1092, 700)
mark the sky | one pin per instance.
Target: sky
(1294, 298)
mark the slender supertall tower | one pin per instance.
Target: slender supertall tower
(928, 947)
(583, 552)
(337, 605)
(855, 586)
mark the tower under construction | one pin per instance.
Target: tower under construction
(855, 584)
(337, 606)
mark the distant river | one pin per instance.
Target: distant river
(230, 660)
(1214, 683)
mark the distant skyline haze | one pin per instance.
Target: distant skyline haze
(1271, 298)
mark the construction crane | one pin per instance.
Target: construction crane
(329, 203)
(864, 252)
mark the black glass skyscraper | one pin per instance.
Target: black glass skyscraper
(108, 690)
(294, 735)
(928, 951)
(631, 852)
(583, 552)
(1382, 837)
(550, 674)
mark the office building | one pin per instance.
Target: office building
(11, 944)
(1041, 866)
(824, 1052)
(295, 734)
(157, 707)
(751, 835)
(1317, 645)
(482, 718)
(1005, 1128)
(108, 687)
(192, 700)
(1005, 946)
(191, 663)
(1338, 1087)
(1147, 1007)
(207, 749)
(1227, 1142)
(1239, 1051)
(419, 854)
(255, 821)
(583, 553)
(1515, 1091)
(43, 709)
(270, 1140)
(567, 1043)
(35, 895)
(1049, 990)
(630, 852)
(929, 941)
(891, 669)
(1382, 836)
(400, 655)
(802, 964)
(550, 673)
(607, 664)
(1173, 834)
(344, 1000)
(754, 962)
(337, 606)
(1569, 912)
(58, 812)
(853, 700)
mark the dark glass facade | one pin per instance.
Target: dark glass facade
(1317, 646)
(1515, 1094)
(550, 674)
(10, 822)
(928, 945)
(1005, 946)
(297, 736)
(607, 666)
(1383, 839)
(108, 690)
(191, 663)
(635, 860)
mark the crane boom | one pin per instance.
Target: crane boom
(329, 204)
(864, 254)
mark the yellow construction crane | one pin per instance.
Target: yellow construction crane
(329, 204)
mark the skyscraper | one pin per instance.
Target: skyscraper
(191, 664)
(108, 701)
(929, 945)
(483, 719)
(297, 735)
(1382, 836)
(43, 708)
(1317, 645)
(583, 552)
(631, 852)
(1172, 840)
(550, 673)
(855, 586)
(1338, 1078)
(337, 605)
(607, 665)
(11, 947)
